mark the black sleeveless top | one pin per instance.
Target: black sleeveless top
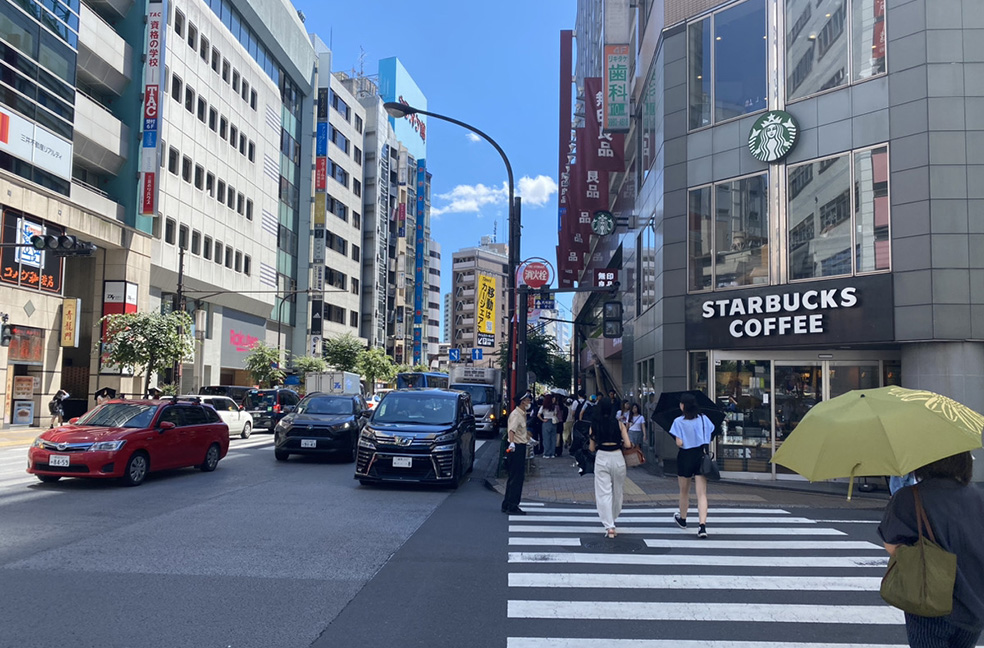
(606, 433)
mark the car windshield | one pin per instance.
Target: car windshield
(128, 415)
(480, 394)
(428, 409)
(325, 405)
(260, 400)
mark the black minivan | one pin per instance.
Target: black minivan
(418, 435)
(268, 406)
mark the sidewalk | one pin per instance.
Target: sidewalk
(18, 435)
(557, 481)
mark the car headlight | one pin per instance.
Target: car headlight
(367, 439)
(106, 446)
(347, 425)
(38, 442)
(445, 438)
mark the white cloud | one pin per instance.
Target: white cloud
(474, 138)
(470, 199)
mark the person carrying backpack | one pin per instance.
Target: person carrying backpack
(57, 408)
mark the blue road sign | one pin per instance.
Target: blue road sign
(454, 355)
(476, 354)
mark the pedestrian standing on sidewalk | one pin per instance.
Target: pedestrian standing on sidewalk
(955, 510)
(623, 412)
(568, 432)
(56, 407)
(548, 426)
(518, 437)
(563, 413)
(636, 425)
(693, 435)
(608, 437)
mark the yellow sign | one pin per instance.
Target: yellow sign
(485, 303)
(320, 205)
(70, 322)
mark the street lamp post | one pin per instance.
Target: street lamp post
(517, 333)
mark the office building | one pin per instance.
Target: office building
(478, 303)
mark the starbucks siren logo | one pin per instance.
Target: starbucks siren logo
(773, 136)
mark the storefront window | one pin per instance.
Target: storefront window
(735, 40)
(798, 388)
(845, 376)
(743, 388)
(837, 227)
(817, 44)
(891, 373)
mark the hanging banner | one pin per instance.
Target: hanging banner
(153, 66)
(71, 308)
(602, 151)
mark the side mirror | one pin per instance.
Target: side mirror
(166, 425)
(365, 413)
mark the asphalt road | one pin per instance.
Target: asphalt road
(257, 554)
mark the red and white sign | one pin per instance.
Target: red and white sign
(150, 102)
(536, 274)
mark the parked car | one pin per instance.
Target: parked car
(235, 392)
(421, 435)
(378, 396)
(268, 406)
(127, 439)
(322, 424)
(234, 415)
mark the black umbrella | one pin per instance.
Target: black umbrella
(668, 408)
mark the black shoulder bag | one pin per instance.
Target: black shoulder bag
(708, 466)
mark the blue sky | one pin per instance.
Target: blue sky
(493, 65)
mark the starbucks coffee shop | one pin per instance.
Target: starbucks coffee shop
(768, 355)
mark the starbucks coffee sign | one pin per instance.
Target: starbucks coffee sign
(773, 136)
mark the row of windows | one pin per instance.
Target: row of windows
(207, 54)
(216, 122)
(829, 44)
(340, 175)
(62, 18)
(836, 222)
(205, 247)
(336, 314)
(225, 193)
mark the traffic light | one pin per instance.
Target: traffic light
(612, 319)
(6, 335)
(63, 245)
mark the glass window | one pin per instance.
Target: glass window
(743, 389)
(868, 38)
(228, 257)
(189, 99)
(729, 222)
(699, 63)
(169, 226)
(196, 242)
(172, 160)
(239, 261)
(183, 237)
(223, 127)
(222, 191)
(820, 219)
(871, 221)
(204, 49)
(218, 252)
(252, 99)
(186, 168)
(207, 248)
(816, 46)
(247, 262)
(216, 57)
(176, 87)
(249, 209)
(179, 20)
(18, 31)
(192, 36)
(213, 117)
(201, 110)
(235, 80)
(210, 184)
(199, 176)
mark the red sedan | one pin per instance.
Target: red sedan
(127, 439)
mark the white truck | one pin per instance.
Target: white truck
(333, 382)
(485, 386)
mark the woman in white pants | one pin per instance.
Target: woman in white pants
(608, 437)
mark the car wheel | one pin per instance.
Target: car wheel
(136, 469)
(281, 455)
(247, 430)
(211, 458)
(353, 450)
(49, 479)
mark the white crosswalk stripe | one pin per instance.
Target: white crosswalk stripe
(764, 579)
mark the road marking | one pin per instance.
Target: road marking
(697, 582)
(546, 542)
(702, 611)
(671, 530)
(531, 504)
(702, 560)
(669, 511)
(249, 443)
(728, 545)
(715, 520)
(557, 642)
(848, 521)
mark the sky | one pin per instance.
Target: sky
(494, 65)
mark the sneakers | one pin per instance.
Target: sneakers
(702, 532)
(680, 521)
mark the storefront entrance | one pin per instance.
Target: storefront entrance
(767, 394)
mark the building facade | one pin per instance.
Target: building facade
(803, 223)
(478, 302)
(433, 297)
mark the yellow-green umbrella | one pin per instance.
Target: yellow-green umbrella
(877, 432)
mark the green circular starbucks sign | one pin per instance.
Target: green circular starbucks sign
(773, 136)
(603, 223)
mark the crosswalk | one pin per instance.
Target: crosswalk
(764, 578)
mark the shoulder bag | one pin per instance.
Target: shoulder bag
(708, 466)
(920, 577)
(633, 456)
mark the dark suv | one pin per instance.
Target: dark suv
(420, 435)
(268, 406)
(322, 424)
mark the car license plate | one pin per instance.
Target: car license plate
(58, 460)
(309, 443)
(402, 462)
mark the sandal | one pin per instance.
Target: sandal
(611, 533)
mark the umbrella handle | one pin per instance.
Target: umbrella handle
(850, 485)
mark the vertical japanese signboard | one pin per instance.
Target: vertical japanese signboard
(418, 275)
(316, 302)
(153, 66)
(565, 150)
(616, 91)
(70, 321)
(485, 311)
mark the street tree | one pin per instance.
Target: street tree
(262, 363)
(543, 358)
(561, 371)
(148, 343)
(375, 365)
(342, 351)
(304, 365)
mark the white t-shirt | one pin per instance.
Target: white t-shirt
(548, 414)
(635, 424)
